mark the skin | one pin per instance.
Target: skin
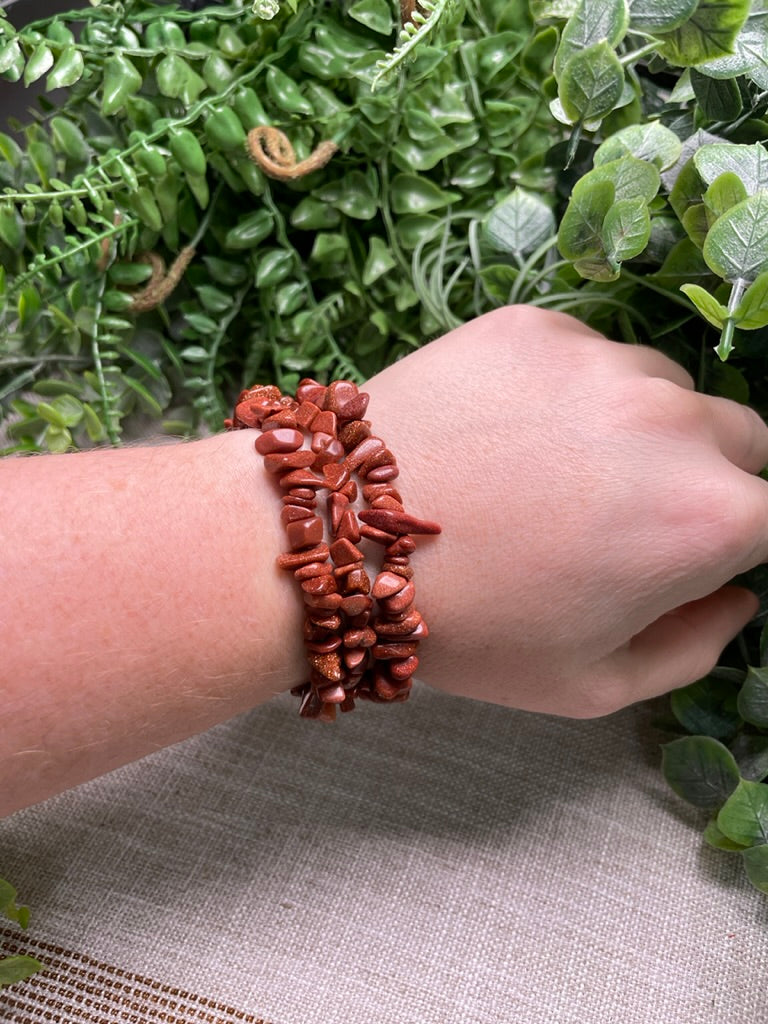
(593, 508)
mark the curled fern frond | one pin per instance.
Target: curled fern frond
(413, 34)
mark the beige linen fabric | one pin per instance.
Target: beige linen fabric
(438, 861)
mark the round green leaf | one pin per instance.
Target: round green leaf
(591, 24)
(701, 770)
(748, 163)
(707, 706)
(519, 223)
(591, 84)
(753, 696)
(651, 141)
(580, 232)
(736, 247)
(756, 866)
(67, 70)
(744, 815)
(709, 32)
(626, 229)
(374, 14)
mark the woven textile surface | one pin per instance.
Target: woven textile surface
(439, 861)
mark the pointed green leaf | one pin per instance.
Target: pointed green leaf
(708, 705)
(631, 178)
(701, 770)
(744, 815)
(752, 312)
(718, 99)
(16, 968)
(67, 70)
(121, 80)
(714, 312)
(11, 61)
(415, 194)
(37, 65)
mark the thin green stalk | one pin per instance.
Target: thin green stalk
(111, 421)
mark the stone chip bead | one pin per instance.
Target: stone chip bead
(360, 639)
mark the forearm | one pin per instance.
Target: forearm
(139, 603)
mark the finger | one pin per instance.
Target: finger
(655, 364)
(739, 432)
(684, 644)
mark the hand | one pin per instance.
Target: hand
(593, 508)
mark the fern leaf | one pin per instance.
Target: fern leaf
(412, 35)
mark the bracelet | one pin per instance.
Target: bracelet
(361, 639)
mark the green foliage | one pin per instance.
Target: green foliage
(14, 968)
(335, 273)
(722, 765)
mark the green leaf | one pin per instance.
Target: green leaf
(756, 866)
(725, 191)
(653, 16)
(736, 246)
(719, 99)
(176, 79)
(146, 396)
(378, 262)
(121, 80)
(9, 908)
(752, 312)
(67, 70)
(753, 696)
(715, 838)
(591, 84)
(714, 312)
(11, 61)
(16, 968)
(580, 232)
(748, 163)
(626, 229)
(652, 142)
(374, 14)
(701, 770)
(707, 706)
(631, 178)
(38, 64)
(744, 815)
(519, 223)
(413, 194)
(709, 32)
(591, 24)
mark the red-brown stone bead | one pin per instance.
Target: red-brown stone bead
(292, 513)
(377, 536)
(325, 423)
(309, 572)
(398, 627)
(388, 584)
(294, 560)
(328, 665)
(383, 473)
(344, 551)
(305, 414)
(373, 491)
(336, 475)
(404, 545)
(397, 522)
(394, 650)
(285, 418)
(367, 447)
(365, 637)
(348, 527)
(305, 533)
(357, 581)
(356, 604)
(385, 501)
(402, 670)
(398, 569)
(324, 602)
(355, 658)
(326, 646)
(320, 585)
(351, 434)
(311, 391)
(400, 602)
(301, 478)
(280, 440)
(281, 462)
